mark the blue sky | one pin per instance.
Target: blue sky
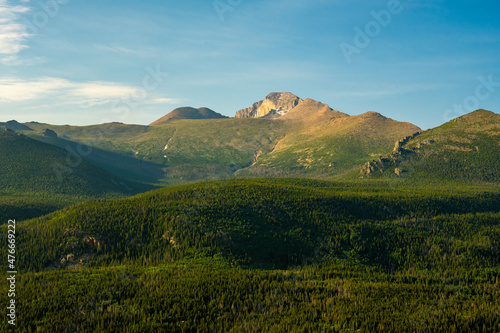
(87, 62)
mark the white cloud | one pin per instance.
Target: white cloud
(64, 92)
(164, 101)
(14, 60)
(13, 34)
(15, 90)
(97, 93)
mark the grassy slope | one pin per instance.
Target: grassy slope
(374, 259)
(328, 144)
(38, 178)
(188, 113)
(464, 150)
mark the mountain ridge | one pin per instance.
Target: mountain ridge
(13, 125)
(465, 148)
(309, 140)
(188, 112)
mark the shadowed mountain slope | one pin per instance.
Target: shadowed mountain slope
(37, 178)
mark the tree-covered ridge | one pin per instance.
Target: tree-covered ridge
(37, 178)
(268, 255)
(272, 224)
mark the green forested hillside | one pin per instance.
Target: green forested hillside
(267, 255)
(37, 178)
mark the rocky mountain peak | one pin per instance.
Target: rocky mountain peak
(372, 114)
(274, 105)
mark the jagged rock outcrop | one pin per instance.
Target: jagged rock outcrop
(369, 168)
(399, 144)
(274, 105)
(49, 133)
(391, 160)
(92, 241)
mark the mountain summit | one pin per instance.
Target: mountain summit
(274, 105)
(187, 113)
(14, 126)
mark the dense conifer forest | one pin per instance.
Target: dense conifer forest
(277, 255)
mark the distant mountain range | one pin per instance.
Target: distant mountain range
(280, 136)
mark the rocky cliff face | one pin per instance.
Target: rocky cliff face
(274, 105)
(392, 160)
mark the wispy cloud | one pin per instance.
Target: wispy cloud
(16, 90)
(14, 60)
(96, 93)
(13, 33)
(170, 101)
(62, 91)
(139, 52)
